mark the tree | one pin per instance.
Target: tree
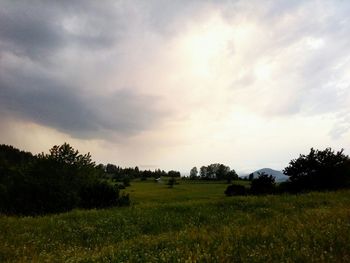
(231, 175)
(203, 172)
(263, 184)
(319, 170)
(173, 173)
(111, 168)
(222, 172)
(172, 182)
(193, 173)
(67, 155)
(211, 172)
(214, 171)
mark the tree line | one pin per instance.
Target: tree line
(319, 170)
(118, 173)
(215, 171)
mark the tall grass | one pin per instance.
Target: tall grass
(188, 223)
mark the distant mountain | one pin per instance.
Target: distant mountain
(279, 176)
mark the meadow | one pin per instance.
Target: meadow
(191, 222)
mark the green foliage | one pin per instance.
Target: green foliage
(51, 183)
(193, 222)
(98, 195)
(263, 184)
(173, 173)
(119, 174)
(66, 155)
(126, 181)
(231, 175)
(194, 173)
(11, 157)
(319, 170)
(172, 182)
(217, 171)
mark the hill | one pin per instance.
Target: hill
(279, 176)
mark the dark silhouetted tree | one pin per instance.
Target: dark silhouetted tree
(263, 184)
(203, 172)
(319, 170)
(173, 173)
(231, 175)
(194, 173)
(215, 171)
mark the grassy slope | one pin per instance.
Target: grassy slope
(193, 222)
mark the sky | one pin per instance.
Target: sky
(176, 84)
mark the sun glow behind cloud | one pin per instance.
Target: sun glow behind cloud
(204, 46)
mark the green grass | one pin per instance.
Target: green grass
(192, 222)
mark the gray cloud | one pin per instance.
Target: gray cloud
(36, 33)
(39, 28)
(62, 107)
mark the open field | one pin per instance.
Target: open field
(193, 222)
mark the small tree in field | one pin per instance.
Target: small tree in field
(231, 175)
(172, 182)
(263, 184)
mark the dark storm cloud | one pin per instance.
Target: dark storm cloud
(63, 108)
(36, 32)
(39, 28)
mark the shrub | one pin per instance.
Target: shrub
(263, 184)
(235, 189)
(126, 181)
(99, 195)
(123, 200)
(171, 182)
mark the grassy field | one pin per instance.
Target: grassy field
(192, 222)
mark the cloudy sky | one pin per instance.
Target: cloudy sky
(176, 84)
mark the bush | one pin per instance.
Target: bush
(99, 195)
(263, 184)
(235, 189)
(126, 181)
(171, 182)
(123, 200)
